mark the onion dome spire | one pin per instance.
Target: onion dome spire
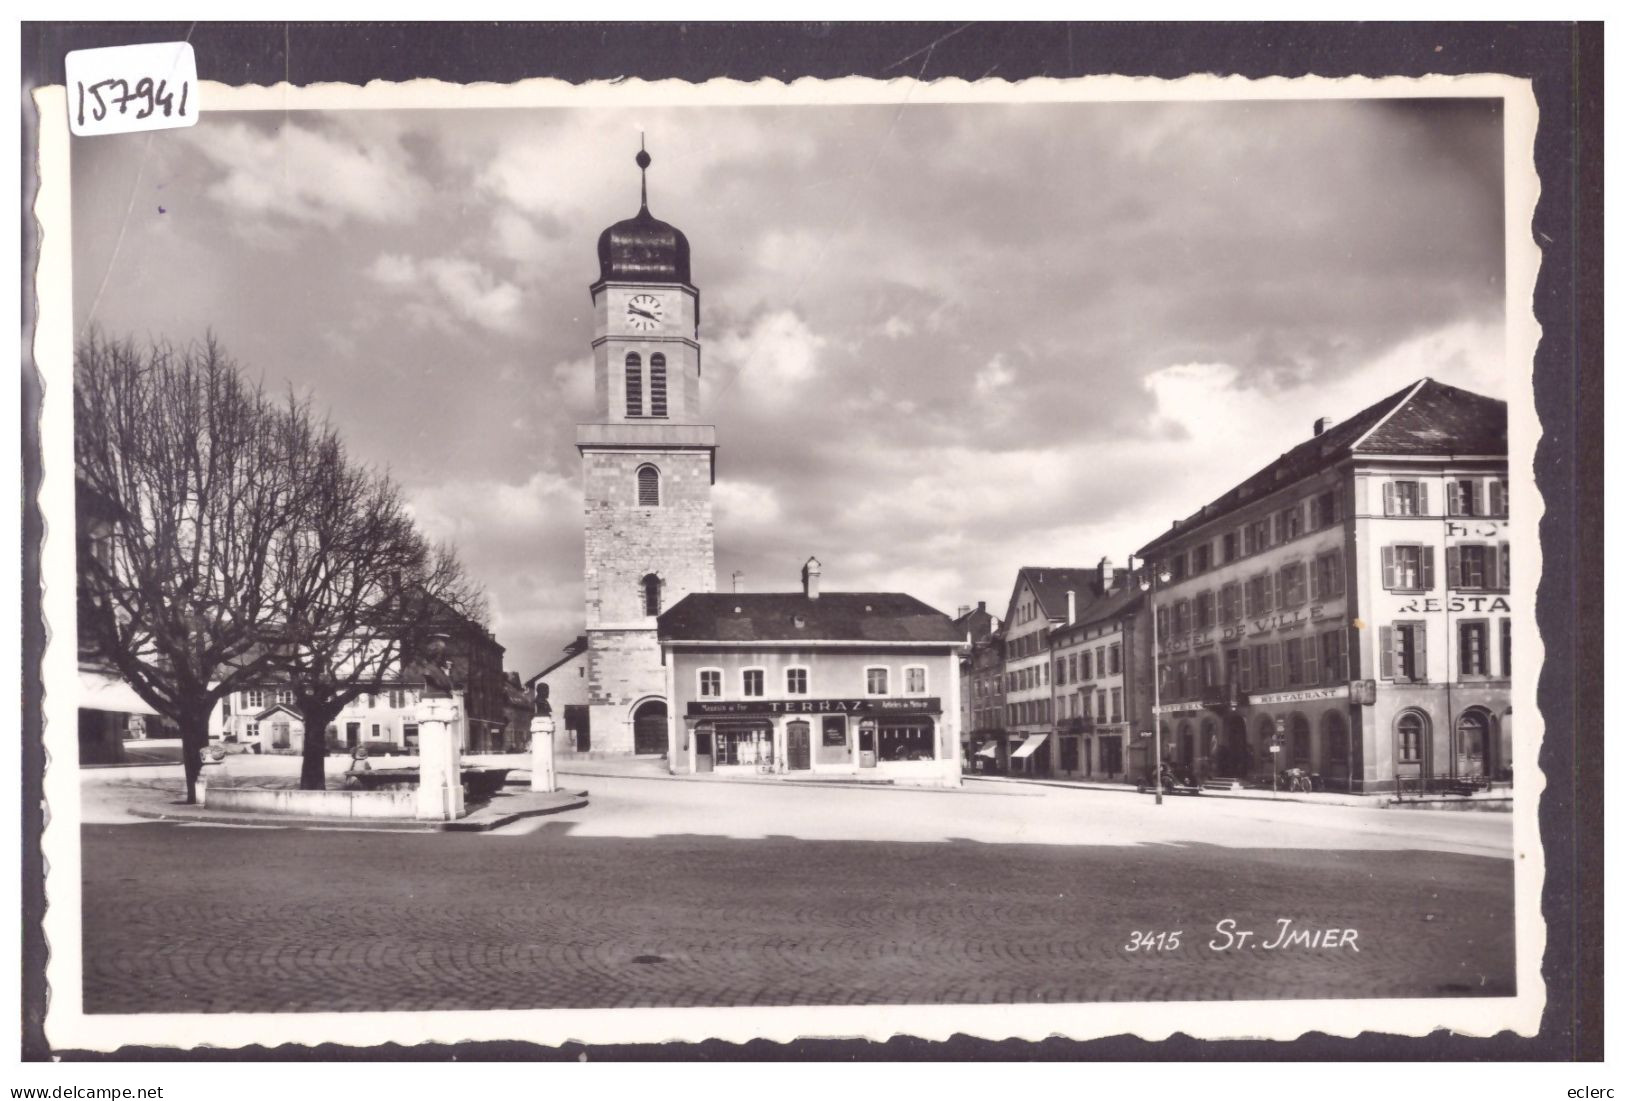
(643, 249)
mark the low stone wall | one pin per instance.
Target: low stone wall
(336, 803)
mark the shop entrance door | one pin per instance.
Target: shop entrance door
(866, 745)
(704, 761)
(798, 745)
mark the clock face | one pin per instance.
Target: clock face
(644, 312)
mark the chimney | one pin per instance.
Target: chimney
(1071, 607)
(809, 578)
(1323, 423)
(981, 605)
(964, 610)
(1107, 574)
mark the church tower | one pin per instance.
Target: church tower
(647, 465)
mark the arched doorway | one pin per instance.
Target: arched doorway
(1298, 744)
(1209, 746)
(1334, 739)
(1267, 761)
(1187, 744)
(1472, 744)
(649, 727)
(1410, 745)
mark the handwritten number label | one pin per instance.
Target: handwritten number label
(122, 89)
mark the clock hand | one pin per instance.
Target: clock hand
(642, 313)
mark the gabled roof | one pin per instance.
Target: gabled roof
(1050, 584)
(274, 708)
(1427, 417)
(833, 617)
(572, 651)
(1124, 600)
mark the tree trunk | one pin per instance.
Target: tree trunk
(313, 766)
(194, 736)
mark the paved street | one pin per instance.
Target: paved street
(709, 893)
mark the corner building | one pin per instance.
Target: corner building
(648, 466)
(1350, 601)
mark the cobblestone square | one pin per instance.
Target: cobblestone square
(672, 893)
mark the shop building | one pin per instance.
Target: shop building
(1043, 599)
(807, 684)
(981, 687)
(1102, 693)
(1348, 603)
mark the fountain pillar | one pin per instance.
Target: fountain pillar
(542, 776)
(440, 762)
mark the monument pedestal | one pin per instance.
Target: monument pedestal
(542, 776)
(440, 763)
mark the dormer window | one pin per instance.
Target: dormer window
(634, 385)
(648, 486)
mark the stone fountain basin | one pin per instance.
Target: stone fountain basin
(479, 781)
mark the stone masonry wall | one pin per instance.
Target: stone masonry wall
(623, 668)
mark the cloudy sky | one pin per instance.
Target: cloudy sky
(941, 342)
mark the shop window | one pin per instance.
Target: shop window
(739, 744)
(710, 684)
(752, 681)
(1407, 567)
(1069, 754)
(1111, 756)
(906, 739)
(795, 681)
(651, 594)
(1404, 498)
(914, 680)
(657, 385)
(634, 385)
(876, 680)
(1404, 651)
(1473, 649)
(1411, 729)
(648, 486)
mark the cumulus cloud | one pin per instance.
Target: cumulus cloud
(773, 357)
(309, 174)
(450, 291)
(994, 376)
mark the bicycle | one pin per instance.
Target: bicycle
(1296, 779)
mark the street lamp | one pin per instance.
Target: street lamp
(1150, 577)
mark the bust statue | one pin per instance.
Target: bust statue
(542, 706)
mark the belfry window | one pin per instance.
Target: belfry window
(648, 486)
(657, 385)
(634, 385)
(651, 594)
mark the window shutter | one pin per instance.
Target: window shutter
(1275, 664)
(1244, 670)
(1337, 574)
(1419, 632)
(1452, 498)
(1314, 580)
(1504, 581)
(1267, 585)
(1452, 567)
(1311, 659)
(1388, 581)
(1492, 567)
(1388, 498)
(1314, 514)
(1387, 661)
(1427, 568)
(1421, 498)
(1496, 503)
(1337, 506)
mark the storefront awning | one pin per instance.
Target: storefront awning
(1030, 746)
(102, 692)
(991, 749)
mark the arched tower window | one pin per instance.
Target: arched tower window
(648, 485)
(651, 594)
(634, 385)
(657, 385)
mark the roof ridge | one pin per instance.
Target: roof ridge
(1386, 417)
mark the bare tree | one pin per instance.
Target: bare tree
(176, 590)
(364, 591)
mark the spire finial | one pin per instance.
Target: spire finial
(643, 167)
